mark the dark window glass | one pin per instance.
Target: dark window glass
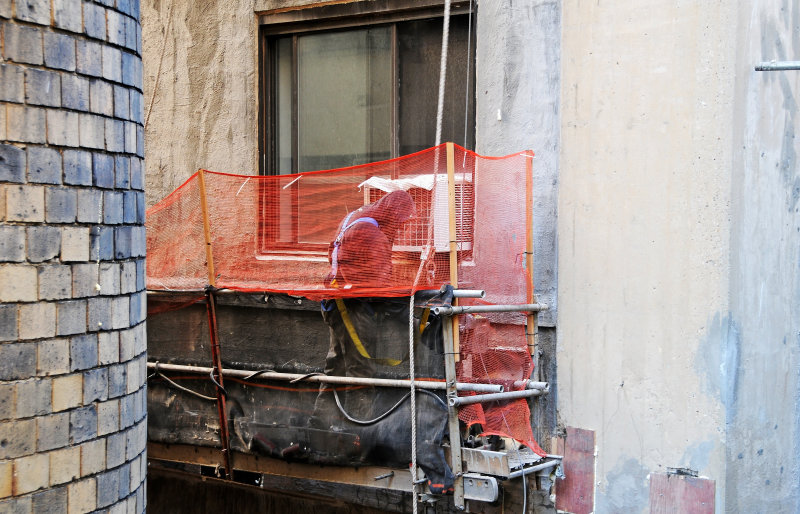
(350, 96)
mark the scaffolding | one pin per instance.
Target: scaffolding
(209, 266)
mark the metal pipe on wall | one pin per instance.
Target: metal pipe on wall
(288, 377)
(483, 398)
(467, 309)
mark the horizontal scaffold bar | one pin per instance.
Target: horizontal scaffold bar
(467, 309)
(457, 293)
(291, 377)
(483, 398)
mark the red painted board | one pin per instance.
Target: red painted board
(670, 493)
(575, 492)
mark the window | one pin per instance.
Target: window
(348, 84)
(340, 93)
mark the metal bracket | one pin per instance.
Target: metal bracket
(480, 488)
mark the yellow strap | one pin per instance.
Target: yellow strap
(424, 320)
(357, 340)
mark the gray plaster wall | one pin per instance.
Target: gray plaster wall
(200, 86)
(762, 331)
(518, 69)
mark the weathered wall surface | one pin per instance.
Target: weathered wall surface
(517, 108)
(200, 87)
(645, 355)
(763, 327)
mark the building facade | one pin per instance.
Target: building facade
(666, 217)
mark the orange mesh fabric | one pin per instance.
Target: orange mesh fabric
(275, 234)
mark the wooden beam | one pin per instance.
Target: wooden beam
(451, 205)
(400, 479)
(206, 226)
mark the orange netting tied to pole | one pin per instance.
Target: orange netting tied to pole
(365, 231)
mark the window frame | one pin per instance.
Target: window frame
(297, 21)
(324, 19)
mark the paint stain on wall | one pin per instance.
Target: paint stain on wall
(626, 489)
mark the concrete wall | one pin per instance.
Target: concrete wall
(644, 223)
(677, 330)
(73, 425)
(762, 329)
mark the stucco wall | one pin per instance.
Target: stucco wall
(644, 223)
(200, 88)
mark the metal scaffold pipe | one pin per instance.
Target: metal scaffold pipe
(533, 469)
(778, 66)
(492, 397)
(291, 377)
(468, 309)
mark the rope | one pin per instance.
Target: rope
(424, 263)
(442, 71)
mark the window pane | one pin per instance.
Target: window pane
(419, 56)
(283, 102)
(344, 98)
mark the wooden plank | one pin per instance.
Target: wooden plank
(171, 490)
(575, 492)
(453, 424)
(451, 205)
(208, 456)
(206, 226)
(681, 494)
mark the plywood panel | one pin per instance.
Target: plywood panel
(575, 492)
(681, 494)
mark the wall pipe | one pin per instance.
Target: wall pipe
(533, 469)
(483, 398)
(467, 309)
(778, 66)
(288, 377)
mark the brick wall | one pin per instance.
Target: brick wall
(72, 304)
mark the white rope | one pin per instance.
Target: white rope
(442, 71)
(423, 264)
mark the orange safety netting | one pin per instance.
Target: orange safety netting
(273, 233)
(374, 230)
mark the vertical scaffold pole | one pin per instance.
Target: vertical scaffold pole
(211, 313)
(451, 340)
(532, 328)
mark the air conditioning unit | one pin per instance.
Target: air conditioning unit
(430, 197)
